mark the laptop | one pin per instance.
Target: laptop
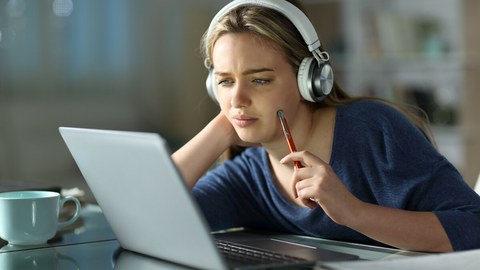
(151, 210)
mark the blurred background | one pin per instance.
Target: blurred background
(135, 65)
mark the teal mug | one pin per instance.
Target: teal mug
(32, 217)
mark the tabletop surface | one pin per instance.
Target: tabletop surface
(90, 244)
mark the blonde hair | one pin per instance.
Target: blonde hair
(274, 26)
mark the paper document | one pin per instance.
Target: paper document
(465, 260)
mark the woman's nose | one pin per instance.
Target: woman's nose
(240, 96)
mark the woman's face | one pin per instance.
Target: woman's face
(254, 80)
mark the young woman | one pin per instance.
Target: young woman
(370, 172)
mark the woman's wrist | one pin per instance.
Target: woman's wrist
(223, 131)
(353, 214)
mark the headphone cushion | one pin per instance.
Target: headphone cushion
(303, 81)
(211, 86)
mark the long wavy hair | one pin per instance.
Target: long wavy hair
(274, 26)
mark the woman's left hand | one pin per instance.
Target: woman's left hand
(316, 183)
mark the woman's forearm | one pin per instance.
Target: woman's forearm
(200, 153)
(418, 231)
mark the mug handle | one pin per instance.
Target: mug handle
(69, 259)
(63, 200)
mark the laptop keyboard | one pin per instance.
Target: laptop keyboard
(245, 255)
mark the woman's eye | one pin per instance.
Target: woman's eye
(261, 81)
(225, 82)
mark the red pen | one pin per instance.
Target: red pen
(289, 139)
(288, 136)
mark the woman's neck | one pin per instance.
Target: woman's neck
(311, 130)
(301, 126)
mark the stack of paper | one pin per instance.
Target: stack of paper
(465, 260)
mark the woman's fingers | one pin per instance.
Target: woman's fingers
(311, 163)
(307, 158)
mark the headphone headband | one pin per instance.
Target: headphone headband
(295, 15)
(314, 78)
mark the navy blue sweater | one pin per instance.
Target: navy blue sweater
(379, 155)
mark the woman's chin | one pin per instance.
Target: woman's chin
(249, 140)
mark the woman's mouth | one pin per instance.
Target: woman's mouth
(243, 121)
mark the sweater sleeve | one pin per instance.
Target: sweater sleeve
(398, 167)
(226, 194)
(455, 204)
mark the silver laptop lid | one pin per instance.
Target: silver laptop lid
(142, 195)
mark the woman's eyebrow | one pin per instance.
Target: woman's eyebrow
(246, 72)
(258, 70)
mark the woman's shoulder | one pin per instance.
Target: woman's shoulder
(376, 120)
(372, 113)
(367, 107)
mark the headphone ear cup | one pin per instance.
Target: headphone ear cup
(315, 81)
(211, 86)
(302, 78)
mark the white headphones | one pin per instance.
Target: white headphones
(315, 78)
